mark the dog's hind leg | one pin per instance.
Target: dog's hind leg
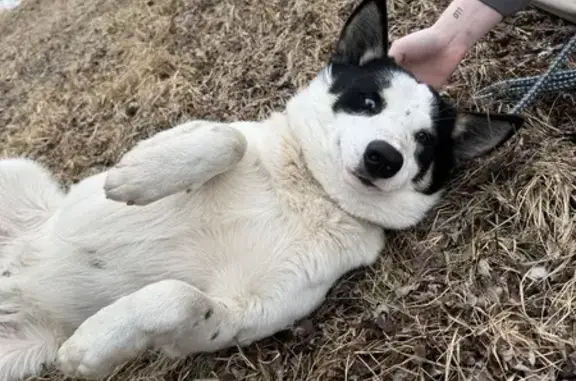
(176, 160)
(29, 195)
(169, 315)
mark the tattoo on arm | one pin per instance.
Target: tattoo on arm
(458, 12)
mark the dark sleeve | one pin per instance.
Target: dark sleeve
(506, 7)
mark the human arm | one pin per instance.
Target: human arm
(432, 54)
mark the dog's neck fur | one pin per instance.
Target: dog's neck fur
(296, 168)
(292, 169)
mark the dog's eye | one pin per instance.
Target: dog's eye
(424, 138)
(370, 104)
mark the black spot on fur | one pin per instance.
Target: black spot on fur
(6, 273)
(208, 314)
(96, 263)
(215, 335)
(8, 312)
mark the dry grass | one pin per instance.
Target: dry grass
(453, 299)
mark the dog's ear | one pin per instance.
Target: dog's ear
(364, 36)
(476, 134)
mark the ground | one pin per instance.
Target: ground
(482, 290)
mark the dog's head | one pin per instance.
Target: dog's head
(382, 144)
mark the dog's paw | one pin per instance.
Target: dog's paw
(95, 350)
(75, 360)
(178, 162)
(133, 183)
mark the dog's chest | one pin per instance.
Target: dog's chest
(253, 212)
(283, 246)
(271, 221)
(273, 187)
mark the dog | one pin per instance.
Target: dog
(210, 235)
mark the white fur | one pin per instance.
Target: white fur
(237, 231)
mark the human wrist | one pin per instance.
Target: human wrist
(465, 22)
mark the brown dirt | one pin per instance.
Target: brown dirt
(453, 299)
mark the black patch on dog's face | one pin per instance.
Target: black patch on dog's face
(438, 150)
(359, 87)
(460, 136)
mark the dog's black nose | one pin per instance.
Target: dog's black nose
(382, 160)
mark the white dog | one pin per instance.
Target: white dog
(210, 235)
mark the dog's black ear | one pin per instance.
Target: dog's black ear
(364, 36)
(476, 134)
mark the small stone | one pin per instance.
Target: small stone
(484, 268)
(537, 273)
(404, 291)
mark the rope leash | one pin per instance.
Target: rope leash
(553, 80)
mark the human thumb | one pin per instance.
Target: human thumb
(397, 52)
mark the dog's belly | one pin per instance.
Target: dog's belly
(272, 275)
(97, 251)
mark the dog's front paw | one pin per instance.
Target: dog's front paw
(133, 183)
(95, 350)
(174, 163)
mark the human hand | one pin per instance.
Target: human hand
(433, 54)
(429, 54)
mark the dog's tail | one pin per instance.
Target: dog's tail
(26, 346)
(29, 195)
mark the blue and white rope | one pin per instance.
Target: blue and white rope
(554, 80)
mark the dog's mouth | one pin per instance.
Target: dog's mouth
(364, 180)
(359, 179)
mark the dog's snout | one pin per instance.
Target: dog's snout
(381, 160)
